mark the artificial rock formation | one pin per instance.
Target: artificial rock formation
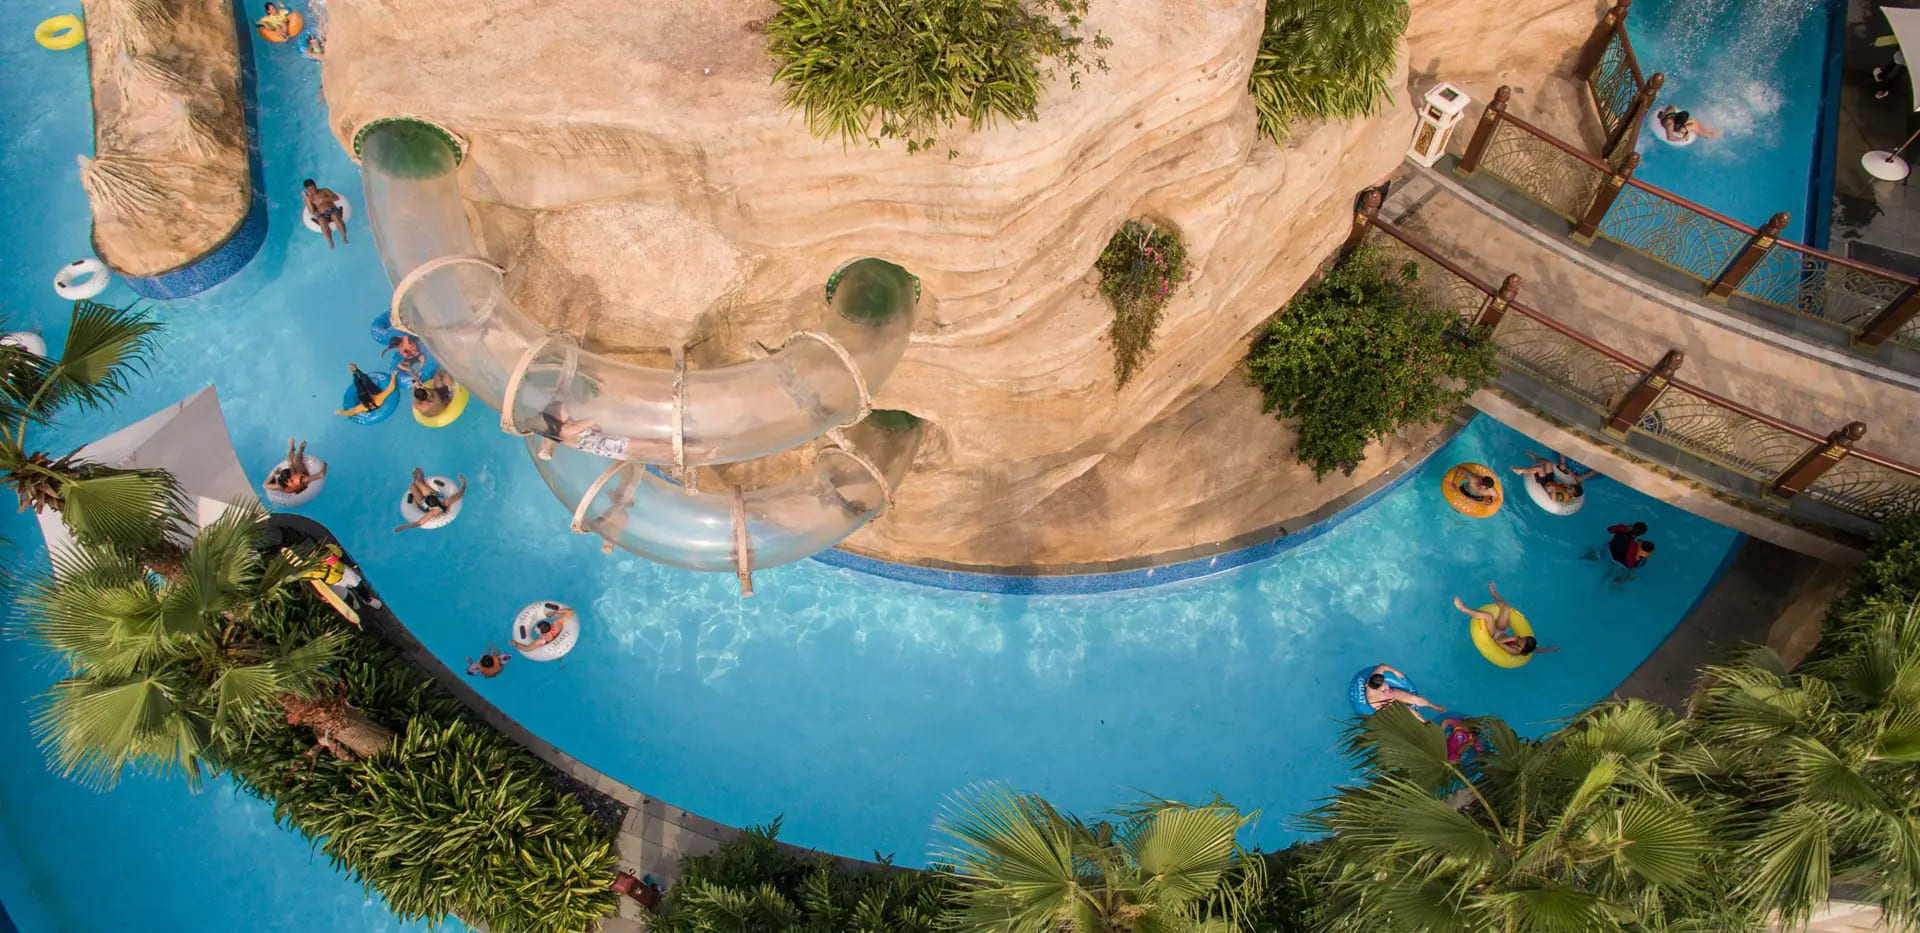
(169, 181)
(644, 184)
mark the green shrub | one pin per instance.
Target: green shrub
(1324, 58)
(1361, 353)
(459, 820)
(1140, 268)
(752, 883)
(908, 69)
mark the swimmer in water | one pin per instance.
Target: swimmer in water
(1380, 693)
(1680, 126)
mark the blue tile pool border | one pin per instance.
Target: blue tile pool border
(1017, 583)
(244, 242)
(1825, 151)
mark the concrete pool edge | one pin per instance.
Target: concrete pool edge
(1161, 568)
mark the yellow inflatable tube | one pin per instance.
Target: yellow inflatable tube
(1517, 622)
(60, 33)
(1465, 504)
(447, 415)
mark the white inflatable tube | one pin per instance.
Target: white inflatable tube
(723, 414)
(1660, 132)
(526, 631)
(1538, 494)
(306, 213)
(285, 500)
(413, 511)
(26, 340)
(81, 279)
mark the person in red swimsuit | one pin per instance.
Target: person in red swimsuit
(1627, 549)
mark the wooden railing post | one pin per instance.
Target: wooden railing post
(1749, 256)
(1596, 47)
(1496, 306)
(1817, 460)
(1363, 218)
(1629, 128)
(1633, 406)
(1890, 319)
(1483, 131)
(1603, 197)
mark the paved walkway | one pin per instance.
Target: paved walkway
(1800, 381)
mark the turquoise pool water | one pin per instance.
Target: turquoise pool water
(850, 704)
(1758, 71)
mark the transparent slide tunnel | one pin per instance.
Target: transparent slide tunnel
(591, 414)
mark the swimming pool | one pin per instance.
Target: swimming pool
(1761, 72)
(849, 703)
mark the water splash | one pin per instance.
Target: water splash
(1695, 38)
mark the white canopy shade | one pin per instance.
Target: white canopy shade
(187, 439)
(1906, 28)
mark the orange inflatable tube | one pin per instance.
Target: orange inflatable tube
(1465, 504)
(295, 23)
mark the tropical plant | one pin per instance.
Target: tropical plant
(1159, 867)
(1141, 266)
(1361, 353)
(908, 69)
(751, 884)
(105, 346)
(1292, 902)
(1579, 831)
(456, 820)
(165, 672)
(1324, 58)
(1823, 765)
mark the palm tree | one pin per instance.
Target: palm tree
(104, 347)
(1162, 867)
(165, 672)
(1579, 831)
(1821, 764)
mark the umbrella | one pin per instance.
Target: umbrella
(1881, 163)
(187, 439)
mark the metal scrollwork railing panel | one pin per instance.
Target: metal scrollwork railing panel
(1672, 233)
(1541, 170)
(1809, 283)
(1431, 280)
(1721, 435)
(1612, 84)
(1867, 489)
(1586, 374)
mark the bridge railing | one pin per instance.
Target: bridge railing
(1600, 199)
(1620, 92)
(1624, 397)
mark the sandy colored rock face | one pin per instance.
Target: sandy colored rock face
(642, 176)
(169, 181)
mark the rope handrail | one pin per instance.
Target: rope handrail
(1517, 307)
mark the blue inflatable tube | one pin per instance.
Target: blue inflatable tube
(387, 406)
(1357, 689)
(382, 329)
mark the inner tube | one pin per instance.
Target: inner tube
(1462, 741)
(526, 629)
(60, 33)
(447, 415)
(1465, 504)
(1538, 494)
(295, 23)
(81, 279)
(288, 500)
(1492, 652)
(413, 511)
(306, 213)
(1357, 688)
(1660, 132)
(26, 340)
(388, 399)
(382, 330)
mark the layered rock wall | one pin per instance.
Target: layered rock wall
(645, 185)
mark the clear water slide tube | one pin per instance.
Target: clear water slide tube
(613, 419)
(458, 304)
(639, 508)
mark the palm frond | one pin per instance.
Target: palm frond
(1187, 850)
(130, 508)
(105, 346)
